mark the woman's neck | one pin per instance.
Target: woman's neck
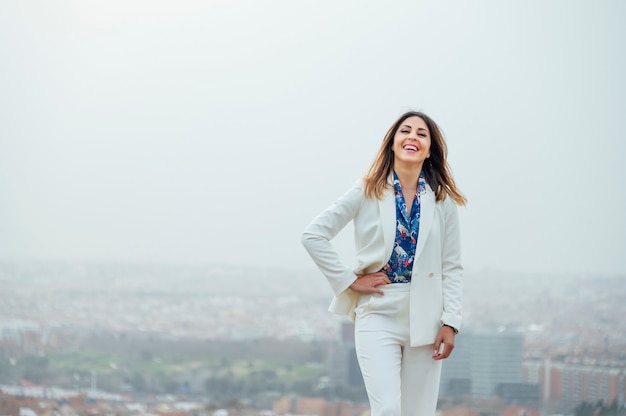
(408, 175)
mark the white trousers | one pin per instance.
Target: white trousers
(400, 380)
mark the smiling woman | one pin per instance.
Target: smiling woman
(404, 292)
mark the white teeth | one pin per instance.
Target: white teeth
(411, 148)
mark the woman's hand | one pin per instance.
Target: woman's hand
(368, 283)
(444, 344)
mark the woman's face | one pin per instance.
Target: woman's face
(411, 143)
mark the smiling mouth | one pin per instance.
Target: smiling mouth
(410, 148)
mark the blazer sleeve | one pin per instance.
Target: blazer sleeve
(452, 269)
(318, 234)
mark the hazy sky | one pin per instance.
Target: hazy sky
(214, 131)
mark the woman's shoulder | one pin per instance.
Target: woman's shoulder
(356, 191)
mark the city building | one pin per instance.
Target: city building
(343, 366)
(486, 364)
(568, 382)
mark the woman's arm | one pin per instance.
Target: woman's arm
(452, 269)
(318, 234)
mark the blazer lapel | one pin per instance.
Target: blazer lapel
(427, 215)
(388, 222)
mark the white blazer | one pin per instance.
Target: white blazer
(436, 282)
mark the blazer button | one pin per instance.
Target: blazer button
(431, 274)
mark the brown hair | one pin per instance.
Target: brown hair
(436, 169)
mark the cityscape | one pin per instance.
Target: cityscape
(219, 340)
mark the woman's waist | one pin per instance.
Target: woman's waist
(395, 287)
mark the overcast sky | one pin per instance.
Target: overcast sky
(214, 131)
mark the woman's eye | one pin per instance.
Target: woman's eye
(404, 131)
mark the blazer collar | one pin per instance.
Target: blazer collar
(427, 216)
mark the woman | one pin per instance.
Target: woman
(404, 291)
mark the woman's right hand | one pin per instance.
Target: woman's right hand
(368, 283)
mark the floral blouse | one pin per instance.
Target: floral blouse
(400, 264)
